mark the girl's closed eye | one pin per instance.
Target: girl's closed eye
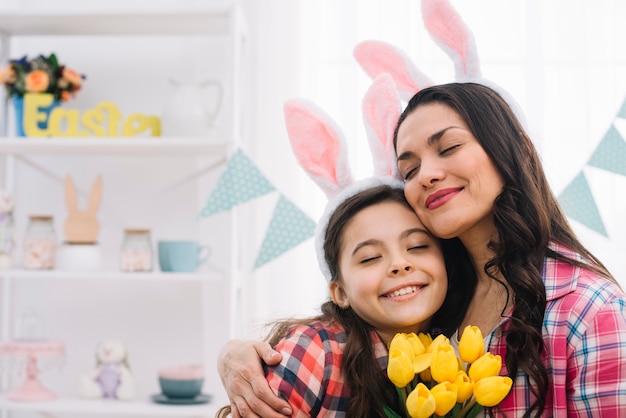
(369, 259)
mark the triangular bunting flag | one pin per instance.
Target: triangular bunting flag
(288, 227)
(622, 112)
(610, 155)
(578, 203)
(241, 181)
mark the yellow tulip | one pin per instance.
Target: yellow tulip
(445, 395)
(439, 340)
(426, 339)
(420, 403)
(425, 375)
(416, 344)
(444, 364)
(401, 342)
(485, 366)
(471, 344)
(490, 391)
(400, 368)
(464, 386)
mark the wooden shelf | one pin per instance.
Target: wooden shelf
(114, 407)
(116, 146)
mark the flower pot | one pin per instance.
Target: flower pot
(18, 104)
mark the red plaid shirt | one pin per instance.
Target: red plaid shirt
(309, 375)
(584, 335)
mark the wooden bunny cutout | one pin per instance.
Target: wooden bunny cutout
(81, 226)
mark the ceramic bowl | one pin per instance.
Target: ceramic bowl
(179, 382)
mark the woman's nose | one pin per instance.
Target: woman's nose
(430, 173)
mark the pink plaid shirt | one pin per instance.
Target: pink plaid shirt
(584, 335)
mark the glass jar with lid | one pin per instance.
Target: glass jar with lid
(39, 243)
(136, 252)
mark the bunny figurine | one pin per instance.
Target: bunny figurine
(111, 378)
(81, 226)
(7, 229)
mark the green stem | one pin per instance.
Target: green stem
(467, 407)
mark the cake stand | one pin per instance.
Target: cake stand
(32, 390)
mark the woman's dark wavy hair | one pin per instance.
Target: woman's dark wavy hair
(527, 216)
(369, 386)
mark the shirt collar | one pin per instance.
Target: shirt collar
(560, 278)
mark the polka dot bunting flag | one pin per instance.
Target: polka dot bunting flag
(288, 227)
(241, 181)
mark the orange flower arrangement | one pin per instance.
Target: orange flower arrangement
(41, 75)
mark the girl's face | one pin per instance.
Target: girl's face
(451, 182)
(392, 270)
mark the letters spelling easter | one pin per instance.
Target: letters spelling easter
(103, 120)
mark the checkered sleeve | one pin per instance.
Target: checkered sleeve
(596, 372)
(308, 376)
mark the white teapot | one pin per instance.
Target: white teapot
(192, 108)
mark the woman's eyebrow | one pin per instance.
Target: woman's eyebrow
(431, 140)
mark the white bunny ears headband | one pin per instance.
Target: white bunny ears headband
(320, 148)
(450, 32)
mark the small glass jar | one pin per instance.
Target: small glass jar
(136, 253)
(39, 243)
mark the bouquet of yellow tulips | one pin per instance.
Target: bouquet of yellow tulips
(432, 381)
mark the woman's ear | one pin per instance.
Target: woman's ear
(338, 295)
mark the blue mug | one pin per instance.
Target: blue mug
(181, 256)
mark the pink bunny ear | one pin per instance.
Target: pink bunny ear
(377, 57)
(450, 32)
(381, 111)
(319, 145)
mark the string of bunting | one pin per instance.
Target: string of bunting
(577, 198)
(241, 182)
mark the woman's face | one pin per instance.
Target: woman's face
(450, 181)
(392, 270)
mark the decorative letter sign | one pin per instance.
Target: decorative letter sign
(103, 120)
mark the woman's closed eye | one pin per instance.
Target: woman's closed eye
(448, 150)
(410, 173)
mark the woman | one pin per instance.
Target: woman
(545, 303)
(387, 276)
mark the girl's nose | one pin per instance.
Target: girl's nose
(401, 267)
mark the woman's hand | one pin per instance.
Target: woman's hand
(239, 366)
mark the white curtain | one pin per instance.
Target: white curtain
(564, 61)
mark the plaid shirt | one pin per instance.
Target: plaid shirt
(584, 335)
(309, 375)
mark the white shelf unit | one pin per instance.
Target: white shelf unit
(216, 284)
